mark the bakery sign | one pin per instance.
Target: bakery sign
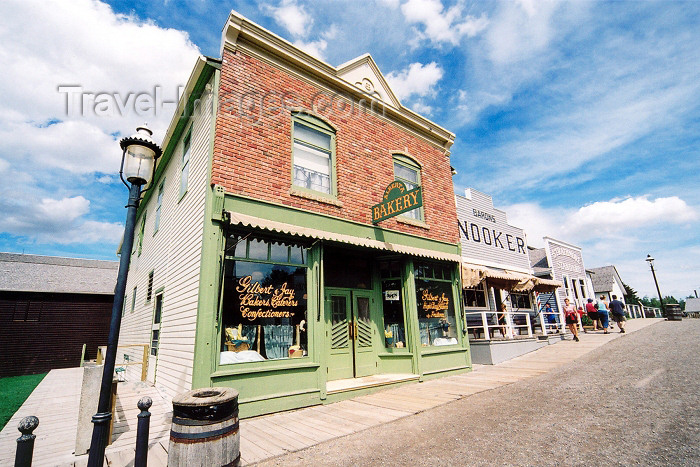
(397, 199)
(434, 306)
(258, 301)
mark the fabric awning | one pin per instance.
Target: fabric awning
(290, 229)
(546, 285)
(473, 275)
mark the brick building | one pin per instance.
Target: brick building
(299, 243)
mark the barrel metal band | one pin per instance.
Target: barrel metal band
(191, 422)
(174, 435)
(212, 413)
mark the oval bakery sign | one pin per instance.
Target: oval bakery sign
(397, 199)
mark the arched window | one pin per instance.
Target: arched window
(313, 152)
(407, 170)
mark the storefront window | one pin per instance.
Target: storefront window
(520, 301)
(436, 313)
(264, 301)
(392, 304)
(475, 297)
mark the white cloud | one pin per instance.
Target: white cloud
(622, 232)
(520, 29)
(59, 221)
(62, 210)
(291, 16)
(422, 108)
(619, 215)
(602, 220)
(314, 48)
(417, 79)
(442, 25)
(82, 43)
(390, 3)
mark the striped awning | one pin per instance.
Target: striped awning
(473, 275)
(546, 285)
(295, 230)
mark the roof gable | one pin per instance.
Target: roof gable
(364, 73)
(50, 274)
(604, 277)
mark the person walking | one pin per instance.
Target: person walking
(592, 313)
(502, 319)
(617, 309)
(603, 313)
(571, 314)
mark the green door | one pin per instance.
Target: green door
(351, 334)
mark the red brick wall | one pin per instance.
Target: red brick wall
(253, 150)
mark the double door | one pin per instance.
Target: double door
(351, 334)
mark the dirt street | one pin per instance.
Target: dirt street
(634, 401)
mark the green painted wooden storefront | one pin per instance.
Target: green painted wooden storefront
(347, 311)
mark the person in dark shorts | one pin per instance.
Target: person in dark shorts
(571, 314)
(592, 313)
(617, 310)
(502, 319)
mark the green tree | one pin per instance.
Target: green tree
(631, 295)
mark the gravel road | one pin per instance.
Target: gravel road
(633, 401)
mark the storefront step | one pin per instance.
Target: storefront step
(367, 382)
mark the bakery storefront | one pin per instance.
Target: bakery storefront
(311, 314)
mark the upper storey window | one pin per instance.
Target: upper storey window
(313, 165)
(408, 171)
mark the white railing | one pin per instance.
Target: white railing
(487, 323)
(635, 311)
(549, 325)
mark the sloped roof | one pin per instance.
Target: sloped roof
(603, 278)
(692, 304)
(538, 261)
(51, 274)
(364, 73)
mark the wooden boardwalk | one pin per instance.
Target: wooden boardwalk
(276, 434)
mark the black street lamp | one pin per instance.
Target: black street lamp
(139, 155)
(650, 260)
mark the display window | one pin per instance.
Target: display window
(475, 297)
(392, 304)
(520, 301)
(436, 311)
(264, 301)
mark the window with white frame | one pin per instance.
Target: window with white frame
(407, 171)
(520, 300)
(159, 206)
(475, 297)
(313, 153)
(185, 166)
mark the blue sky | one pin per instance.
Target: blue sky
(581, 119)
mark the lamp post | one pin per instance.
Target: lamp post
(650, 260)
(139, 155)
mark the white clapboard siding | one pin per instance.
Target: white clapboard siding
(174, 254)
(566, 260)
(477, 250)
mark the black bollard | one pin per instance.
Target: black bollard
(142, 432)
(25, 443)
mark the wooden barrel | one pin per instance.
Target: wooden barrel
(204, 431)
